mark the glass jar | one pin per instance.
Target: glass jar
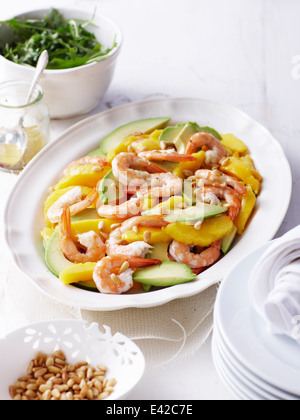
(24, 128)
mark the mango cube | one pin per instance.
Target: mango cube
(211, 230)
(189, 166)
(248, 203)
(86, 175)
(240, 169)
(233, 144)
(157, 235)
(76, 273)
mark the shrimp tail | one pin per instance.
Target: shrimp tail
(135, 262)
(163, 155)
(154, 169)
(64, 226)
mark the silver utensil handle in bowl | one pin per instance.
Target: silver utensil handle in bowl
(41, 65)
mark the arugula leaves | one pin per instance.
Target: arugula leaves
(68, 43)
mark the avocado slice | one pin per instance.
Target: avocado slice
(55, 259)
(180, 134)
(88, 214)
(187, 193)
(159, 251)
(113, 139)
(168, 273)
(165, 165)
(167, 206)
(212, 131)
(110, 190)
(192, 214)
(227, 241)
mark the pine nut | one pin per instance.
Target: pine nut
(54, 369)
(52, 378)
(70, 383)
(90, 395)
(80, 364)
(111, 382)
(89, 373)
(101, 225)
(60, 362)
(198, 225)
(44, 388)
(32, 386)
(30, 367)
(30, 393)
(70, 396)
(124, 267)
(103, 395)
(47, 395)
(115, 226)
(104, 235)
(40, 372)
(55, 393)
(97, 169)
(98, 385)
(24, 378)
(115, 279)
(163, 145)
(147, 236)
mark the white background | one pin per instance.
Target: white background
(242, 52)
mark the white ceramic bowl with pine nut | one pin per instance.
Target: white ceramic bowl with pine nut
(73, 91)
(80, 342)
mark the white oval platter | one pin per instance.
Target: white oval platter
(22, 228)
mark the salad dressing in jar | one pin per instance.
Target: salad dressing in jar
(24, 129)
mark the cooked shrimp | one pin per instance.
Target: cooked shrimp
(130, 208)
(153, 180)
(164, 185)
(219, 179)
(228, 194)
(216, 151)
(115, 245)
(169, 155)
(87, 160)
(209, 197)
(94, 247)
(110, 280)
(182, 254)
(133, 171)
(72, 199)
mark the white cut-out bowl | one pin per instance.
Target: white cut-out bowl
(80, 341)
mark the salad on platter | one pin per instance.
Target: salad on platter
(153, 207)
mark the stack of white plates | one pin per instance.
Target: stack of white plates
(253, 363)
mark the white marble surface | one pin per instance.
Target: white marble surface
(245, 53)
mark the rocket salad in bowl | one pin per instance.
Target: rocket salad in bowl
(67, 41)
(154, 206)
(83, 49)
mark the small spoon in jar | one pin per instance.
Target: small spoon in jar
(17, 137)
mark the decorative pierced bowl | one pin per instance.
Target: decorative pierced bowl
(80, 341)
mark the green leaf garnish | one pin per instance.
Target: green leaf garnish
(68, 42)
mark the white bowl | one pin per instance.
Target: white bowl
(80, 341)
(75, 91)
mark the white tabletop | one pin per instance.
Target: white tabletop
(245, 53)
